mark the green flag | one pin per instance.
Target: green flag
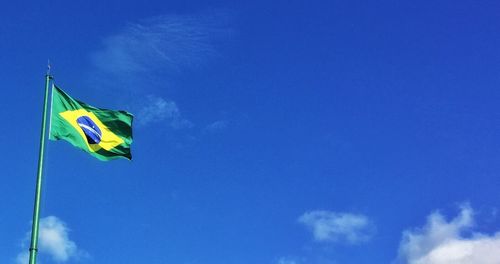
(104, 134)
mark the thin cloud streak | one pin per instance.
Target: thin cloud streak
(163, 43)
(327, 226)
(216, 126)
(284, 260)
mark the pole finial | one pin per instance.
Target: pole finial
(48, 67)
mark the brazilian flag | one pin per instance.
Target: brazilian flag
(104, 134)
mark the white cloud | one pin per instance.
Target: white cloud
(22, 258)
(216, 126)
(54, 241)
(284, 260)
(443, 242)
(157, 109)
(329, 226)
(163, 43)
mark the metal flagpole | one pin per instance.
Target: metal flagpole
(38, 189)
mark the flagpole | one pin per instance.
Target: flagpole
(38, 189)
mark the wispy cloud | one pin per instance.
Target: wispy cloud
(216, 126)
(443, 242)
(287, 260)
(165, 43)
(158, 109)
(144, 56)
(328, 226)
(54, 241)
(22, 258)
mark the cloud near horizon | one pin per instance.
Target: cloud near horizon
(54, 241)
(444, 242)
(327, 226)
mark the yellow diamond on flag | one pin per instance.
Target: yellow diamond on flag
(92, 130)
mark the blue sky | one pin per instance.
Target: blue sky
(282, 132)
